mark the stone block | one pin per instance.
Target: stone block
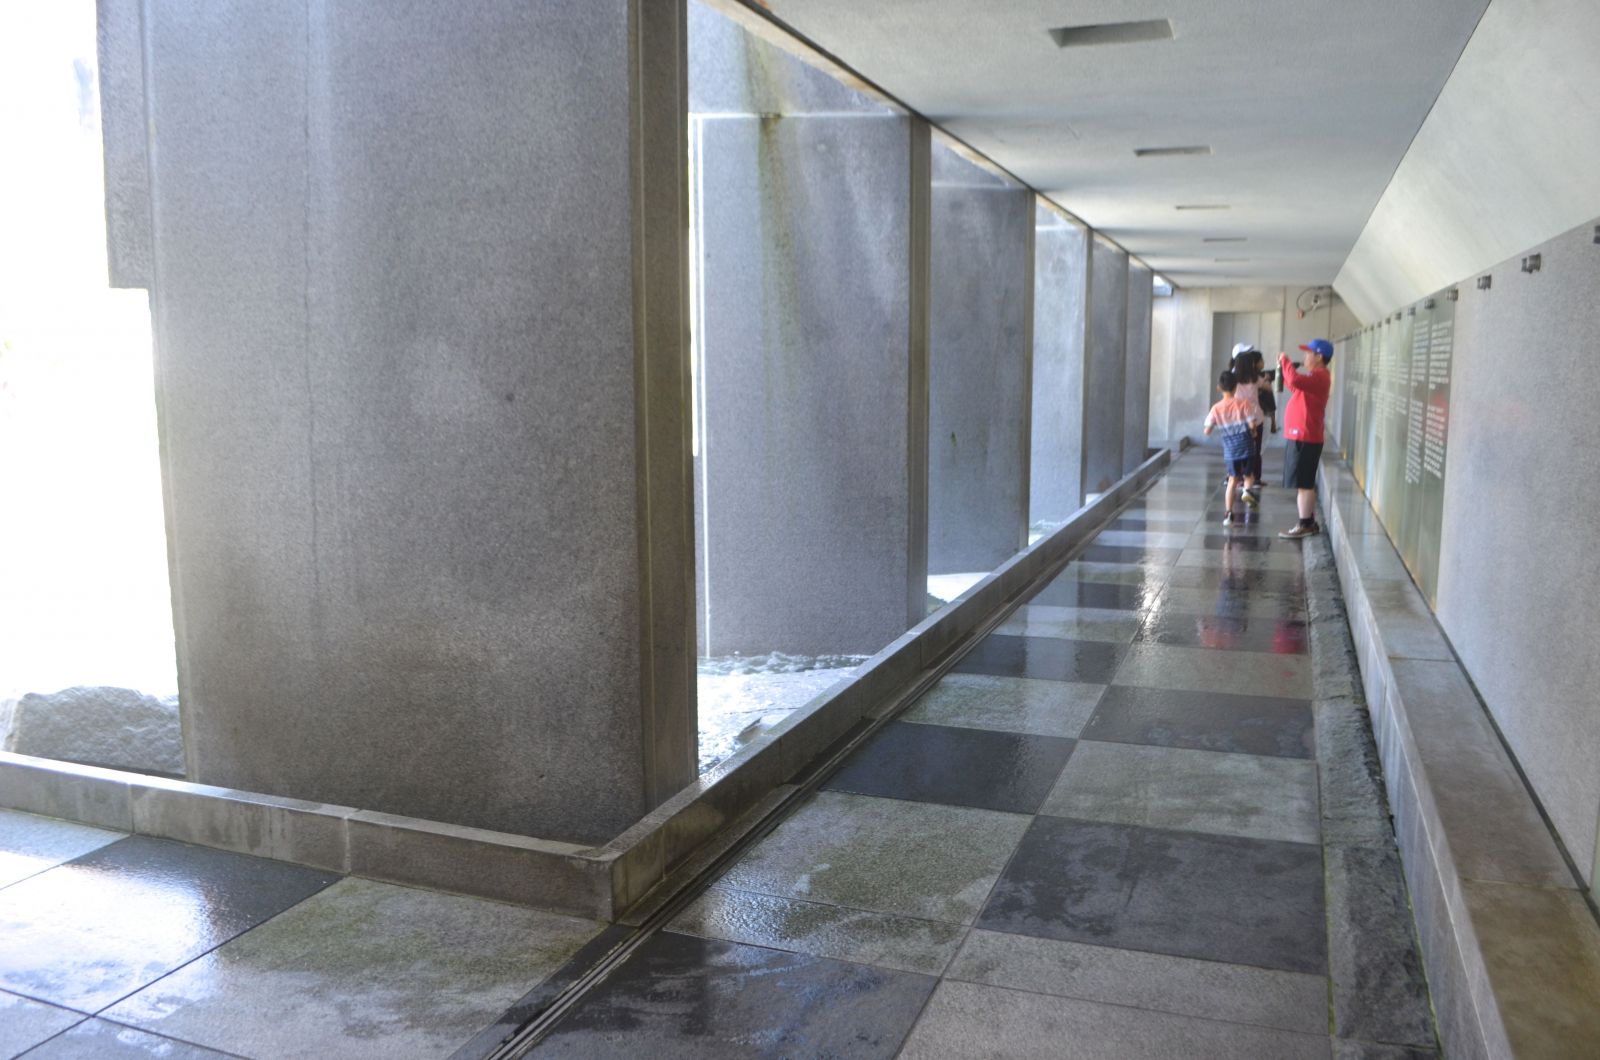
(1060, 322)
(1354, 811)
(803, 345)
(305, 833)
(1136, 392)
(1484, 812)
(474, 861)
(118, 728)
(86, 794)
(401, 390)
(1105, 369)
(980, 289)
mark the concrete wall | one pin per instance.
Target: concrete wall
(803, 340)
(1136, 397)
(1505, 160)
(1060, 286)
(423, 389)
(1517, 578)
(980, 316)
(1105, 368)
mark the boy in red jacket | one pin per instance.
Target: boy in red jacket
(1302, 430)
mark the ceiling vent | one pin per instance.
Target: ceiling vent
(1203, 206)
(1112, 33)
(1230, 261)
(1224, 239)
(1168, 152)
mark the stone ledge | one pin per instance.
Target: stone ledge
(598, 882)
(1511, 949)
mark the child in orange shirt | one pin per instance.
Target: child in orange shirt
(1236, 420)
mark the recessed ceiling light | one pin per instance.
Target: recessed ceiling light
(1112, 33)
(1224, 239)
(1168, 152)
(1203, 206)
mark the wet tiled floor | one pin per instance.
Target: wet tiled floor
(1098, 836)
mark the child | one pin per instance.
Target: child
(1268, 401)
(1302, 430)
(1235, 419)
(1247, 376)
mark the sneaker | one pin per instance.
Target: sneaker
(1227, 518)
(1249, 498)
(1298, 532)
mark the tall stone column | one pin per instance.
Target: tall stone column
(1136, 403)
(1060, 285)
(1105, 376)
(806, 243)
(418, 279)
(980, 324)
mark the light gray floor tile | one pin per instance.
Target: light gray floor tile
(889, 855)
(361, 970)
(25, 1023)
(1255, 606)
(1007, 704)
(1234, 993)
(1144, 538)
(1198, 791)
(821, 930)
(1072, 623)
(966, 1020)
(1083, 570)
(99, 1040)
(1151, 665)
(30, 844)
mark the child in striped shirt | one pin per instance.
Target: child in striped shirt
(1236, 420)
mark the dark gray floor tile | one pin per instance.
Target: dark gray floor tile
(1230, 604)
(1206, 721)
(1071, 590)
(100, 1040)
(1130, 554)
(1281, 636)
(689, 997)
(1129, 521)
(1049, 658)
(1219, 898)
(958, 767)
(98, 928)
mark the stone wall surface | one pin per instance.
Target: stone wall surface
(1517, 594)
(803, 333)
(1059, 289)
(1105, 367)
(1136, 392)
(980, 288)
(403, 311)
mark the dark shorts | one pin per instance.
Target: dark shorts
(1300, 460)
(1237, 468)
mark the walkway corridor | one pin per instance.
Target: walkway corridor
(1101, 835)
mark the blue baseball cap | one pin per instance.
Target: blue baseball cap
(1321, 347)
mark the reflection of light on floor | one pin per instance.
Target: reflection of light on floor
(947, 587)
(83, 562)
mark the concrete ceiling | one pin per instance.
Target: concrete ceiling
(1308, 107)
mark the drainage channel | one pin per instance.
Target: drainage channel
(620, 943)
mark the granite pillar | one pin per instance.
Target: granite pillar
(1060, 284)
(1136, 391)
(1104, 371)
(980, 319)
(802, 192)
(423, 382)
